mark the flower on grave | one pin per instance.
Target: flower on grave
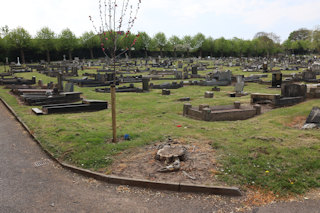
(103, 49)
(267, 172)
(106, 38)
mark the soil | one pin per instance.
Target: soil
(199, 167)
(297, 122)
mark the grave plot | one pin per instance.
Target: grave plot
(217, 79)
(234, 112)
(313, 120)
(255, 77)
(173, 85)
(38, 67)
(291, 94)
(66, 71)
(99, 80)
(5, 74)
(19, 69)
(85, 106)
(41, 98)
(17, 81)
(130, 88)
(130, 79)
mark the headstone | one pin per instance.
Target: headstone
(60, 83)
(237, 104)
(309, 75)
(64, 57)
(265, 66)
(239, 85)
(314, 116)
(7, 60)
(217, 89)
(184, 99)
(208, 94)
(69, 87)
(276, 80)
(293, 90)
(194, 70)
(18, 61)
(165, 92)
(178, 74)
(40, 83)
(145, 84)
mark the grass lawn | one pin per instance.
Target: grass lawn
(266, 151)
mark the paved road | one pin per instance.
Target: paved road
(30, 182)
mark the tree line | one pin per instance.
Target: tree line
(46, 44)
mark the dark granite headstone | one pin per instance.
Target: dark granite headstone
(276, 79)
(314, 116)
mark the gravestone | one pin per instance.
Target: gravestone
(265, 66)
(145, 84)
(224, 76)
(208, 94)
(314, 116)
(194, 70)
(64, 57)
(40, 83)
(178, 74)
(69, 87)
(309, 76)
(18, 61)
(165, 92)
(60, 83)
(239, 85)
(276, 80)
(293, 90)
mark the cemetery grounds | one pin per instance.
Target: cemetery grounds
(269, 152)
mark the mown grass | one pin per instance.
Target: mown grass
(263, 151)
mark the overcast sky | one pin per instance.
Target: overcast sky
(216, 18)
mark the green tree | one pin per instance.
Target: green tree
(267, 43)
(223, 47)
(67, 41)
(127, 42)
(301, 34)
(46, 41)
(197, 43)
(19, 39)
(208, 45)
(160, 40)
(89, 41)
(187, 44)
(316, 39)
(143, 42)
(175, 43)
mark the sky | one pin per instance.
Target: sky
(215, 18)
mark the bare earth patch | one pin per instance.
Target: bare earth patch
(198, 168)
(297, 122)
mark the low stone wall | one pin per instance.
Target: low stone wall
(221, 113)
